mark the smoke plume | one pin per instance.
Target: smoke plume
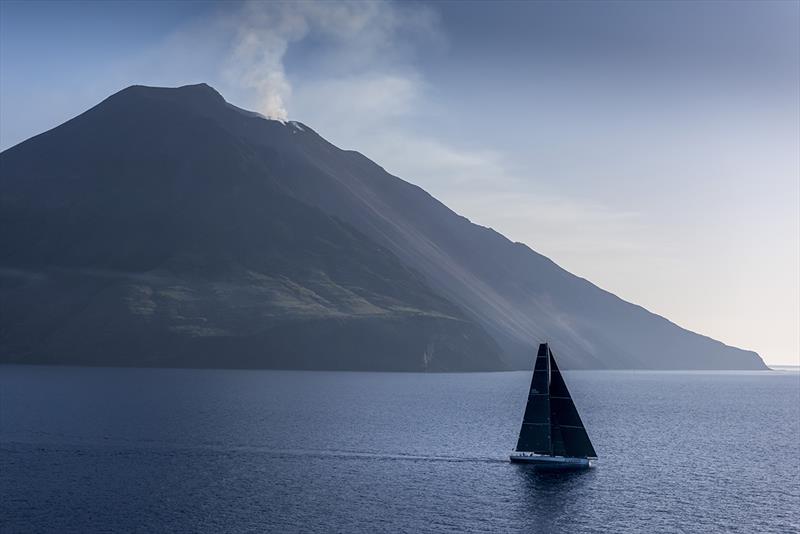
(355, 38)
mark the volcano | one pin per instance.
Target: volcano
(167, 227)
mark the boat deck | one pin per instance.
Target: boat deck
(550, 462)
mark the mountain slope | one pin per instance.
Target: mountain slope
(210, 181)
(516, 293)
(143, 233)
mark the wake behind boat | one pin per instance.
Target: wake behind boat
(552, 433)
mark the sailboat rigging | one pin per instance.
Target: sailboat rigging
(552, 433)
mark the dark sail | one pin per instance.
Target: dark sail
(569, 434)
(551, 424)
(534, 436)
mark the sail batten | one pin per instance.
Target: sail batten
(551, 424)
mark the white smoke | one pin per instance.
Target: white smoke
(357, 36)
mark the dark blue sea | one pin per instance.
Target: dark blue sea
(153, 450)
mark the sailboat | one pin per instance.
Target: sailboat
(552, 433)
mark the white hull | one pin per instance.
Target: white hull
(550, 462)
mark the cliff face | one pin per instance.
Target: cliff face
(167, 227)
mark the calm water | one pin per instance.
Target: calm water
(127, 450)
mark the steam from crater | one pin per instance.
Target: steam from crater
(357, 37)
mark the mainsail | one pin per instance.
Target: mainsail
(551, 425)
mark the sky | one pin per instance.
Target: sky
(650, 147)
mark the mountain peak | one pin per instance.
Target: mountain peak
(200, 94)
(200, 90)
(199, 97)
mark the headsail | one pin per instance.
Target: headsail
(551, 424)
(569, 434)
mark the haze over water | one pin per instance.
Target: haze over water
(129, 450)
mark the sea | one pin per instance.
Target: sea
(165, 450)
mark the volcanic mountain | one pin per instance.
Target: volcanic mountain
(167, 227)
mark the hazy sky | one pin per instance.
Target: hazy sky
(652, 148)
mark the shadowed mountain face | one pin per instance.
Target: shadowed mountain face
(145, 233)
(167, 227)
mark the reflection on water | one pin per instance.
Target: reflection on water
(544, 494)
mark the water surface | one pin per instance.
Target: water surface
(143, 450)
